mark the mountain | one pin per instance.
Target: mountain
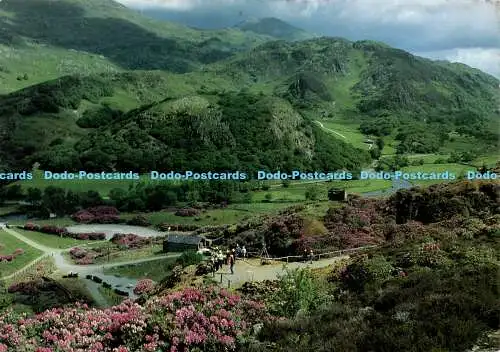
(388, 91)
(274, 27)
(188, 129)
(45, 39)
(154, 94)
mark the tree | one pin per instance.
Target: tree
(54, 200)
(312, 193)
(380, 143)
(34, 196)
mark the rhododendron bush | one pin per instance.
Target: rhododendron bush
(100, 214)
(144, 286)
(61, 231)
(11, 257)
(130, 240)
(189, 320)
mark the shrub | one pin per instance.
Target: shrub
(139, 220)
(189, 258)
(187, 212)
(189, 320)
(130, 240)
(144, 286)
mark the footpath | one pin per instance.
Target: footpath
(251, 270)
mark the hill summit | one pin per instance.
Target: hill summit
(274, 27)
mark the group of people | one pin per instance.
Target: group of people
(308, 255)
(218, 257)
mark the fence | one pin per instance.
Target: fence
(318, 256)
(250, 274)
(27, 270)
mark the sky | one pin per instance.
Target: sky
(466, 31)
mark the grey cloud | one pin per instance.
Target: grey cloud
(424, 26)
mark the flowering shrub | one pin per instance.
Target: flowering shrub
(129, 240)
(178, 227)
(82, 256)
(139, 220)
(28, 287)
(190, 320)
(83, 216)
(187, 212)
(144, 286)
(100, 214)
(61, 231)
(11, 257)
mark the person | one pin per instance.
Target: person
(244, 252)
(233, 253)
(238, 251)
(221, 259)
(311, 255)
(214, 262)
(231, 262)
(305, 255)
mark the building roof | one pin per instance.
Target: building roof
(185, 239)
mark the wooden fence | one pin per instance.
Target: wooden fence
(29, 270)
(319, 255)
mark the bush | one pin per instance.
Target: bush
(139, 220)
(187, 212)
(189, 320)
(189, 258)
(130, 240)
(298, 291)
(144, 286)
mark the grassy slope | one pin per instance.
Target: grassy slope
(9, 245)
(40, 40)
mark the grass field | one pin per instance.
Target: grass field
(347, 129)
(9, 245)
(457, 169)
(489, 161)
(154, 270)
(123, 256)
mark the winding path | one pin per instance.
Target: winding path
(322, 126)
(64, 267)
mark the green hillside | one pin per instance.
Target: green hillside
(418, 102)
(133, 103)
(45, 39)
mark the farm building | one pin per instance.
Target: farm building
(181, 243)
(337, 194)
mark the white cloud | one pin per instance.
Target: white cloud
(487, 60)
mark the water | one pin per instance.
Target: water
(396, 186)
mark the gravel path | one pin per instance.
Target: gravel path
(252, 270)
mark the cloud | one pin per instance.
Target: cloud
(487, 60)
(459, 30)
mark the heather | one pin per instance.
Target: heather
(188, 320)
(63, 232)
(427, 287)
